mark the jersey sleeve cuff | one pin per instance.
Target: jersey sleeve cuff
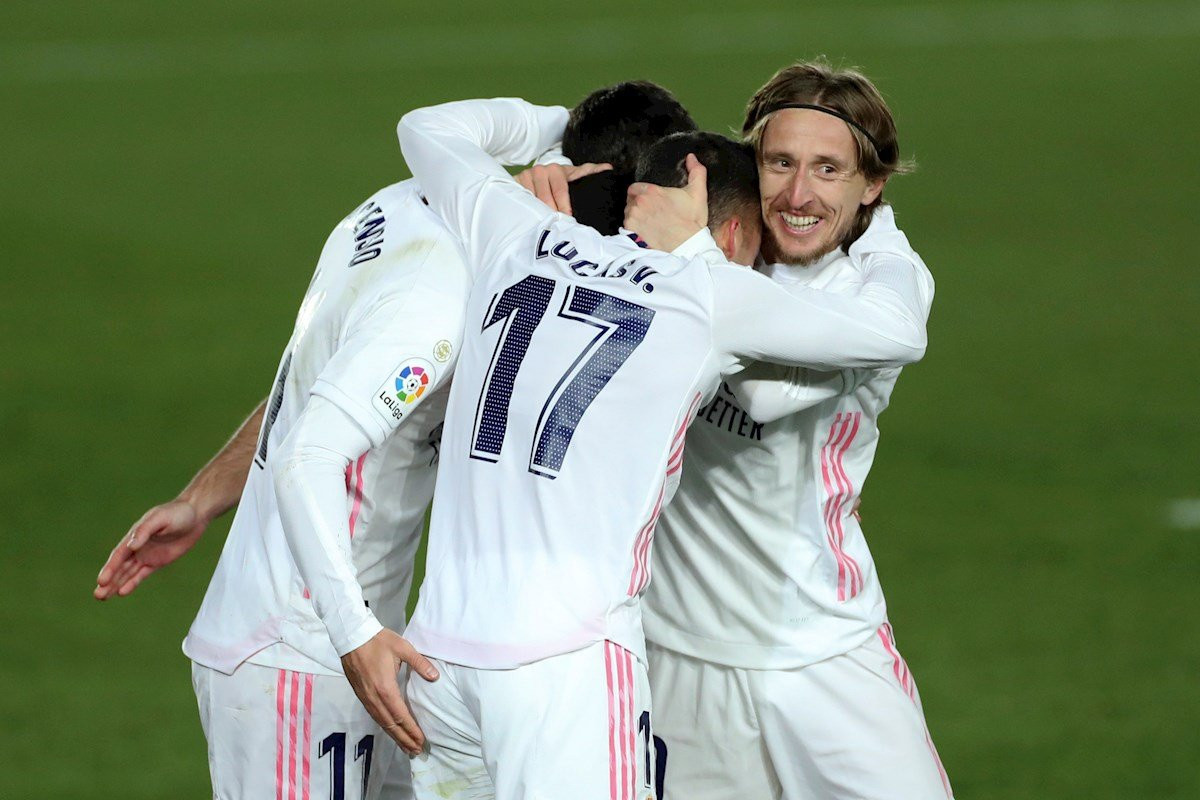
(554, 156)
(355, 638)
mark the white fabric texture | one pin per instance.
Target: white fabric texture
(375, 340)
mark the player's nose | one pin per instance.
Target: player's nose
(799, 189)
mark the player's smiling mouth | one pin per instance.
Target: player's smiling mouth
(799, 224)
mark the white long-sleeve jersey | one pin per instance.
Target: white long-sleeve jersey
(761, 562)
(317, 559)
(584, 360)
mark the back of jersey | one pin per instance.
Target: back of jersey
(584, 360)
(342, 348)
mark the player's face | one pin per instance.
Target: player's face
(810, 184)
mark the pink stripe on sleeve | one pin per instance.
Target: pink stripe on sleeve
(356, 508)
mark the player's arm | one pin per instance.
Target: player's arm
(768, 392)
(308, 471)
(456, 151)
(878, 325)
(167, 531)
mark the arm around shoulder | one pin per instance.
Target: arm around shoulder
(875, 326)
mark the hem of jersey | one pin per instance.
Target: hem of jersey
(281, 655)
(488, 656)
(225, 658)
(756, 655)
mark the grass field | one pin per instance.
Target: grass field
(169, 177)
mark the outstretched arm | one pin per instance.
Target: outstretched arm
(167, 531)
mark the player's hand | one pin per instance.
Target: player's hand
(371, 670)
(548, 182)
(163, 534)
(664, 217)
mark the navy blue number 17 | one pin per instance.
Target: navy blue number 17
(621, 327)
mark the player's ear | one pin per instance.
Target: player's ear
(872, 192)
(725, 236)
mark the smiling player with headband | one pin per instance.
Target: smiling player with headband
(772, 662)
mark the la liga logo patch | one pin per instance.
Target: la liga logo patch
(411, 383)
(406, 386)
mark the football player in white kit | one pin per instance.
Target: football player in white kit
(319, 558)
(583, 362)
(774, 669)
(299, 599)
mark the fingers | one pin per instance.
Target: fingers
(132, 582)
(117, 568)
(126, 571)
(123, 579)
(559, 191)
(119, 556)
(419, 664)
(153, 522)
(549, 182)
(397, 720)
(640, 189)
(526, 179)
(583, 170)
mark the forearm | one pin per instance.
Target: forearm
(874, 326)
(218, 486)
(309, 475)
(768, 392)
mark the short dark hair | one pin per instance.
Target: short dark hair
(598, 200)
(732, 171)
(615, 124)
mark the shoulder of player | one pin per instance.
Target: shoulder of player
(396, 221)
(883, 239)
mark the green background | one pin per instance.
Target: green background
(170, 171)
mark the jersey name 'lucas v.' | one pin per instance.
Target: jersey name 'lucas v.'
(564, 250)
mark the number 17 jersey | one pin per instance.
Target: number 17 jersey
(584, 360)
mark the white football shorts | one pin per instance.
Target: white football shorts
(847, 727)
(276, 733)
(569, 727)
